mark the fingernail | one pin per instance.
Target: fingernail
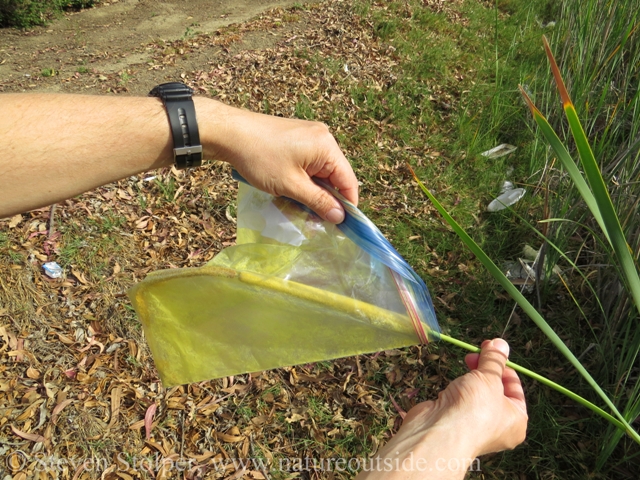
(501, 345)
(335, 215)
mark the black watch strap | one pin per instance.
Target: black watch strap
(176, 97)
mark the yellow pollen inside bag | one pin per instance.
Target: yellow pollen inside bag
(294, 290)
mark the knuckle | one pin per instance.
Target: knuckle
(322, 132)
(318, 200)
(322, 127)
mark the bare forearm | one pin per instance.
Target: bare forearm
(53, 147)
(58, 146)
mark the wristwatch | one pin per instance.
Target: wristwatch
(176, 97)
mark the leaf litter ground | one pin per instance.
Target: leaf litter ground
(76, 379)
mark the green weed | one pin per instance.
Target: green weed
(188, 32)
(319, 410)
(245, 412)
(29, 13)
(125, 77)
(90, 246)
(304, 108)
(266, 106)
(166, 187)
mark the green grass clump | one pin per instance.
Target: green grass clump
(92, 245)
(30, 13)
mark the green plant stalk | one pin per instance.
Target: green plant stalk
(611, 221)
(567, 162)
(526, 307)
(612, 227)
(541, 379)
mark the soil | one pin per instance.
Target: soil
(82, 49)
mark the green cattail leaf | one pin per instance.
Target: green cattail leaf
(567, 162)
(611, 228)
(534, 315)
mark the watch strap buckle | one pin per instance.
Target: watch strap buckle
(176, 97)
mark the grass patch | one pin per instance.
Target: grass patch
(29, 13)
(304, 109)
(92, 245)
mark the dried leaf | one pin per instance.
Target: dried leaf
(158, 447)
(294, 417)
(64, 339)
(224, 437)
(79, 276)
(260, 420)
(116, 395)
(148, 419)
(79, 470)
(399, 409)
(58, 408)
(32, 437)
(237, 388)
(15, 221)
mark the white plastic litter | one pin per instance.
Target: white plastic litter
(52, 270)
(507, 197)
(499, 151)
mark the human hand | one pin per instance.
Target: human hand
(481, 412)
(279, 156)
(490, 398)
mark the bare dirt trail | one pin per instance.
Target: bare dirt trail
(113, 37)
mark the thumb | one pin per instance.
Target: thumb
(493, 358)
(317, 199)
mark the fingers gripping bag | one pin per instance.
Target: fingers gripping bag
(294, 289)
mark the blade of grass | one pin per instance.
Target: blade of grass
(573, 265)
(525, 305)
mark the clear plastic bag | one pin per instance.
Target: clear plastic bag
(295, 289)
